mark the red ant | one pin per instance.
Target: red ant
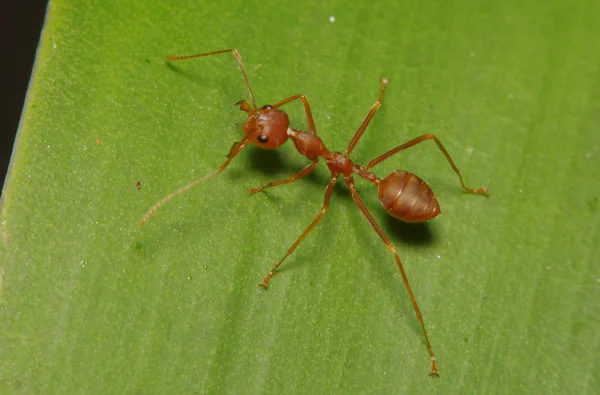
(403, 195)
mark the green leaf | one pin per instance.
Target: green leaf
(509, 285)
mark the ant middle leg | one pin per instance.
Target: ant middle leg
(302, 173)
(319, 217)
(420, 139)
(368, 118)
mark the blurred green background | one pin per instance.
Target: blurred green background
(509, 286)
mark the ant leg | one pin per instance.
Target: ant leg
(367, 120)
(420, 139)
(304, 100)
(235, 149)
(328, 192)
(392, 249)
(302, 173)
(237, 56)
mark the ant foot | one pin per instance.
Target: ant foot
(434, 369)
(265, 281)
(482, 191)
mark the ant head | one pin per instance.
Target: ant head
(265, 127)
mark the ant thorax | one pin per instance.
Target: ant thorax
(308, 144)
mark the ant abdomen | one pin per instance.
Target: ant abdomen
(405, 196)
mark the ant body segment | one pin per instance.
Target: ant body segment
(403, 195)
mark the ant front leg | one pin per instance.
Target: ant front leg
(309, 118)
(302, 173)
(368, 118)
(420, 139)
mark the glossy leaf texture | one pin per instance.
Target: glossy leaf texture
(509, 285)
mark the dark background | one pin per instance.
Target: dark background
(20, 28)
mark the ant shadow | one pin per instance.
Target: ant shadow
(186, 74)
(419, 234)
(274, 163)
(269, 162)
(201, 79)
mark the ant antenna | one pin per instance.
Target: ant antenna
(237, 56)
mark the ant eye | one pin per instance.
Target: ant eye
(267, 107)
(262, 139)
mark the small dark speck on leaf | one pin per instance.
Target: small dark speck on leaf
(147, 61)
(466, 339)
(138, 246)
(138, 185)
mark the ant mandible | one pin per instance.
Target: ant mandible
(403, 195)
